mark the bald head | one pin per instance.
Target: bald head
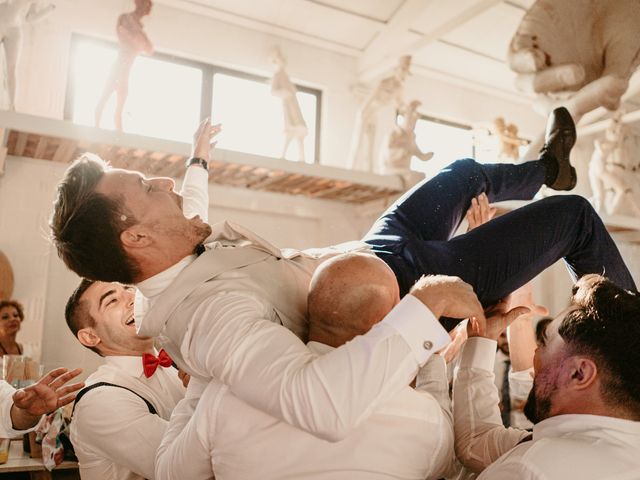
(349, 294)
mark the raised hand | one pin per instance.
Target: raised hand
(44, 396)
(202, 144)
(480, 212)
(499, 317)
(450, 297)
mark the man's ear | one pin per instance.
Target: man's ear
(135, 237)
(88, 337)
(583, 372)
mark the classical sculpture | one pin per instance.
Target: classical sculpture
(132, 41)
(400, 143)
(388, 92)
(611, 175)
(510, 143)
(295, 128)
(13, 16)
(578, 53)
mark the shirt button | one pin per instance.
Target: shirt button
(428, 345)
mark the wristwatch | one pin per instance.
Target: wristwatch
(197, 161)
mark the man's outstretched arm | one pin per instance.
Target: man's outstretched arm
(233, 338)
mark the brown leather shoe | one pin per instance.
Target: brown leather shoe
(560, 137)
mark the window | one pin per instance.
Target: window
(168, 97)
(252, 118)
(447, 140)
(164, 96)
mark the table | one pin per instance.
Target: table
(19, 461)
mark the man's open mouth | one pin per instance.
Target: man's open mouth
(131, 321)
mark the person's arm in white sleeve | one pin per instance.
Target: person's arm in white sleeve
(195, 186)
(6, 404)
(185, 451)
(480, 437)
(117, 424)
(432, 378)
(232, 337)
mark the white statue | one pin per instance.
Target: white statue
(13, 15)
(577, 53)
(612, 181)
(510, 143)
(388, 92)
(132, 41)
(295, 127)
(400, 143)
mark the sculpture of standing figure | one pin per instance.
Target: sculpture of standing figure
(510, 143)
(388, 92)
(401, 143)
(611, 179)
(132, 42)
(295, 127)
(578, 53)
(13, 15)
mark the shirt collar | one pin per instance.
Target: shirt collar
(580, 423)
(129, 364)
(154, 286)
(319, 348)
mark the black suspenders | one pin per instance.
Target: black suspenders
(81, 393)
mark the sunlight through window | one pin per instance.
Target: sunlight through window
(252, 118)
(163, 101)
(447, 142)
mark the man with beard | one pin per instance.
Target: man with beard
(585, 402)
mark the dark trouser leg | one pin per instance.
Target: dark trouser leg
(504, 254)
(433, 209)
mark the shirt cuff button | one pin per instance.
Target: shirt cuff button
(428, 345)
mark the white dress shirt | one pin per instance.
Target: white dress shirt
(588, 447)
(6, 402)
(235, 338)
(114, 435)
(410, 436)
(480, 437)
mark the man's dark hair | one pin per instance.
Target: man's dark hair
(76, 312)
(86, 225)
(541, 328)
(605, 326)
(15, 304)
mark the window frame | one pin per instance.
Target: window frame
(208, 72)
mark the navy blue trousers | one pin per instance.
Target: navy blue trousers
(414, 235)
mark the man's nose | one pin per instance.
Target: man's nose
(163, 183)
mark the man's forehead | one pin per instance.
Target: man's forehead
(116, 180)
(97, 290)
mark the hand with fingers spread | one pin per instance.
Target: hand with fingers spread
(499, 317)
(202, 139)
(480, 212)
(44, 396)
(450, 297)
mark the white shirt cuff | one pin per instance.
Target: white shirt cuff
(418, 326)
(478, 352)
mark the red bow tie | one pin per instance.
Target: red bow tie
(150, 362)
